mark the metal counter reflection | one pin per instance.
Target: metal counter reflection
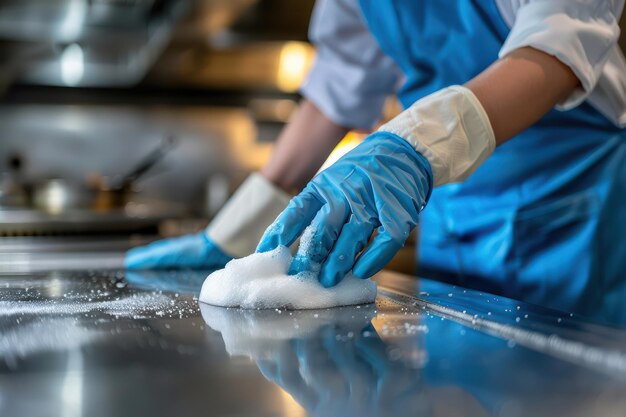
(333, 362)
(448, 351)
(110, 343)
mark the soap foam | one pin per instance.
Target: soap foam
(260, 281)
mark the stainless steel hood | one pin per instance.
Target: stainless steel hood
(110, 43)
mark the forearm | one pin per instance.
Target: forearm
(515, 92)
(302, 148)
(519, 89)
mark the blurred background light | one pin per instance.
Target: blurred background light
(72, 25)
(72, 64)
(349, 142)
(294, 62)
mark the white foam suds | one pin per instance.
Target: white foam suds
(260, 281)
(306, 241)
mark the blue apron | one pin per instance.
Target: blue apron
(543, 219)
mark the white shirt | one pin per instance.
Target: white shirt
(350, 80)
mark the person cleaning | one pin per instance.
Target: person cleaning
(511, 152)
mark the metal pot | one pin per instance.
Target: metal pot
(58, 195)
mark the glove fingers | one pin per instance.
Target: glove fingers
(291, 222)
(159, 254)
(352, 239)
(384, 246)
(319, 237)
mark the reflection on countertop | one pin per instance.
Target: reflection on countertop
(107, 342)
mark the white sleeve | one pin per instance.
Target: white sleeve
(582, 34)
(351, 76)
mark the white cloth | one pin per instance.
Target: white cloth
(238, 227)
(450, 129)
(351, 76)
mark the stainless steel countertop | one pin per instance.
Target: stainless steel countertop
(111, 343)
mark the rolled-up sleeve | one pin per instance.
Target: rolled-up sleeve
(351, 76)
(580, 33)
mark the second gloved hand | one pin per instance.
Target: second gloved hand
(234, 232)
(195, 251)
(383, 183)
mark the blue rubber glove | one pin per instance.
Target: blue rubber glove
(194, 251)
(383, 183)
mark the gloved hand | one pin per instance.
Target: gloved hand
(195, 251)
(383, 183)
(234, 232)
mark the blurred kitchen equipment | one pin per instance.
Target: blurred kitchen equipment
(57, 195)
(217, 192)
(96, 145)
(12, 190)
(103, 42)
(190, 67)
(167, 144)
(109, 197)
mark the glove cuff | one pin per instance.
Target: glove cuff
(239, 225)
(450, 129)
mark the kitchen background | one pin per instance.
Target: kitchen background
(118, 116)
(90, 88)
(125, 120)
